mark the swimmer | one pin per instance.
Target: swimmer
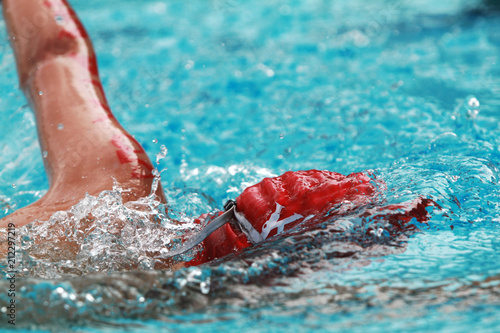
(86, 150)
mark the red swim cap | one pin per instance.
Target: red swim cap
(280, 203)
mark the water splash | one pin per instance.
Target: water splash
(102, 234)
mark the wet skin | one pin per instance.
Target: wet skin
(85, 149)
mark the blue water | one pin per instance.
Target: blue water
(238, 91)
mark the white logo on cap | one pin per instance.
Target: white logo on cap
(273, 223)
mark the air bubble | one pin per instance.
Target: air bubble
(40, 93)
(45, 154)
(60, 126)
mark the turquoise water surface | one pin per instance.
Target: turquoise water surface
(240, 90)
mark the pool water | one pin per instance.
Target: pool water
(237, 91)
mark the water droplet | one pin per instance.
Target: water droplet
(40, 93)
(162, 154)
(268, 71)
(205, 287)
(60, 126)
(45, 154)
(59, 19)
(14, 185)
(155, 141)
(282, 136)
(473, 107)
(473, 103)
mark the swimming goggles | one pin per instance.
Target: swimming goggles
(228, 215)
(238, 220)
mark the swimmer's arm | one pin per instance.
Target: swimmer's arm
(42, 30)
(85, 148)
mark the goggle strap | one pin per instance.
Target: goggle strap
(200, 236)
